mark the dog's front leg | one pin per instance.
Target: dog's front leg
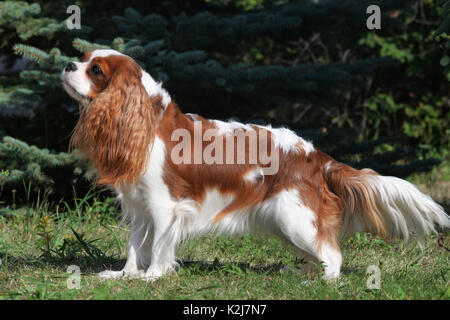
(137, 257)
(166, 235)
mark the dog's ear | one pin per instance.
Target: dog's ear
(86, 56)
(116, 130)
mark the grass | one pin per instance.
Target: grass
(39, 242)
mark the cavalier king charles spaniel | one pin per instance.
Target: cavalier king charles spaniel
(178, 175)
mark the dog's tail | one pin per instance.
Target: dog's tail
(387, 206)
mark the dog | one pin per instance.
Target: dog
(179, 175)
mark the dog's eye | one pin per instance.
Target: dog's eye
(96, 69)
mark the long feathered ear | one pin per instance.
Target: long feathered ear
(116, 130)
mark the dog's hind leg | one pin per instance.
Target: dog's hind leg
(298, 225)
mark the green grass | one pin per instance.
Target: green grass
(39, 242)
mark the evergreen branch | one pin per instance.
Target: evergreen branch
(31, 53)
(85, 46)
(16, 11)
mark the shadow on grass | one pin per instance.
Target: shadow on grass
(87, 264)
(230, 267)
(90, 265)
(205, 266)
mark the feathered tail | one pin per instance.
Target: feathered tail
(387, 206)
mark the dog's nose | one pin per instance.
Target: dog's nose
(70, 67)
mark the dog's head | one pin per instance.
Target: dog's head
(118, 116)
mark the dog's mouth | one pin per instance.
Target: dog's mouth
(84, 100)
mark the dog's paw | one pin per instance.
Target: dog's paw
(109, 274)
(152, 275)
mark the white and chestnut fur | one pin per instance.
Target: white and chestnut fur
(312, 202)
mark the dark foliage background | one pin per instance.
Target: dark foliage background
(371, 98)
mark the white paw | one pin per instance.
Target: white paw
(109, 274)
(331, 277)
(138, 274)
(152, 275)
